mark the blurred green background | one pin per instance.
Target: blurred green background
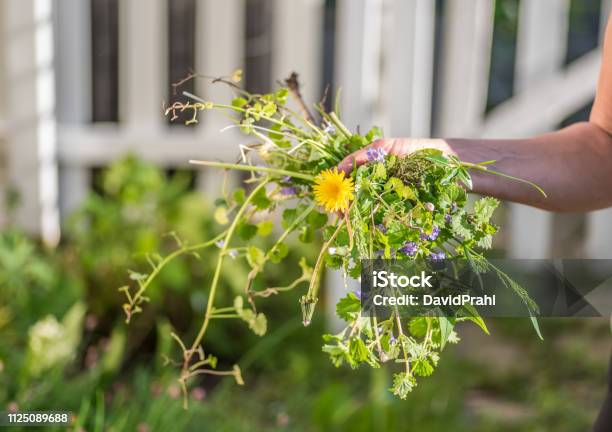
(65, 344)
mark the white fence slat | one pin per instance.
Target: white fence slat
(73, 48)
(598, 243)
(545, 103)
(541, 46)
(468, 32)
(298, 44)
(31, 134)
(142, 63)
(599, 235)
(541, 41)
(219, 51)
(74, 184)
(409, 67)
(358, 49)
(101, 144)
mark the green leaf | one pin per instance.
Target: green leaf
(446, 328)
(316, 220)
(422, 368)
(402, 190)
(403, 383)
(475, 317)
(265, 228)
(536, 325)
(260, 200)
(418, 327)
(484, 208)
(239, 196)
(239, 102)
(221, 216)
(255, 257)
(380, 172)
(245, 230)
(358, 350)
(279, 252)
(259, 324)
(306, 234)
(349, 307)
(288, 217)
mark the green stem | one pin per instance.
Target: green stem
(501, 174)
(336, 121)
(243, 111)
(217, 274)
(170, 257)
(314, 281)
(253, 169)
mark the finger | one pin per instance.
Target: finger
(355, 159)
(360, 157)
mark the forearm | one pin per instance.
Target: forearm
(573, 166)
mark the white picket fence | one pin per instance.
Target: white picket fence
(384, 62)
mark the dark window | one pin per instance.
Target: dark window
(580, 115)
(329, 41)
(437, 66)
(584, 26)
(503, 52)
(105, 60)
(258, 33)
(181, 50)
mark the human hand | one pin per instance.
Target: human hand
(394, 146)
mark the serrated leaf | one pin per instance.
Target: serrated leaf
(484, 208)
(349, 307)
(422, 368)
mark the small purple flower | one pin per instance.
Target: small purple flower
(286, 179)
(392, 340)
(454, 207)
(220, 243)
(330, 129)
(376, 154)
(288, 191)
(410, 248)
(357, 293)
(379, 253)
(435, 232)
(437, 256)
(447, 218)
(381, 228)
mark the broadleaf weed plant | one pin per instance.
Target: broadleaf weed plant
(401, 208)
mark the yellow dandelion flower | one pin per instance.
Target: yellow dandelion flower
(333, 191)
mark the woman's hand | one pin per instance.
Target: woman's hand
(394, 146)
